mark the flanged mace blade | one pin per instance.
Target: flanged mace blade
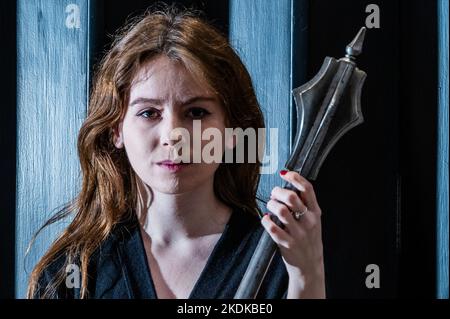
(328, 106)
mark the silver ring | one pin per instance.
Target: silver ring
(298, 215)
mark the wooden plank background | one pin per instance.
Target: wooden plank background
(442, 165)
(8, 147)
(265, 42)
(52, 86)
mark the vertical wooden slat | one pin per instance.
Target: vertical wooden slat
(262, 33)
(442, 165)
(52, 86)
(8, 147)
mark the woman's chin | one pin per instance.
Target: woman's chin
(171, 184)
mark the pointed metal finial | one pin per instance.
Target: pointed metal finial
(355, 47)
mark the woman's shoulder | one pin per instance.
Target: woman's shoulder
(61, 278)
(51, 282)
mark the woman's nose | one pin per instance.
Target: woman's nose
(171, 130)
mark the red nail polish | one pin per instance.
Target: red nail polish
(283, 172)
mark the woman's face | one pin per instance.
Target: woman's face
(164, 96)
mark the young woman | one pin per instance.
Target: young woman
(146, 226)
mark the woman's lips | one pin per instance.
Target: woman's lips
(171, 166)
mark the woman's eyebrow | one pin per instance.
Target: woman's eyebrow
(145, 100)
(195, 99)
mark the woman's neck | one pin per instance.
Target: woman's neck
(184, 217)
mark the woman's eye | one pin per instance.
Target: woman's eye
(197, 113)
(149, 114)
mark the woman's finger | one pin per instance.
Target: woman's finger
(279, 236)
(284, 210)
(283, 213)
(304, 186)
(308, 220)
(288, 197)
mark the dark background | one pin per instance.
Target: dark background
(377, 187)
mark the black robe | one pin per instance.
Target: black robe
(119, 268)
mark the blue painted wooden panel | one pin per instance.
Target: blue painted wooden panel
(442, 187)
(52, 89)
(262, 33)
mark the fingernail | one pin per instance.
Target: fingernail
(265, 214)
(283, 172)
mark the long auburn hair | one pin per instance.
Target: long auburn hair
(110, 188)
